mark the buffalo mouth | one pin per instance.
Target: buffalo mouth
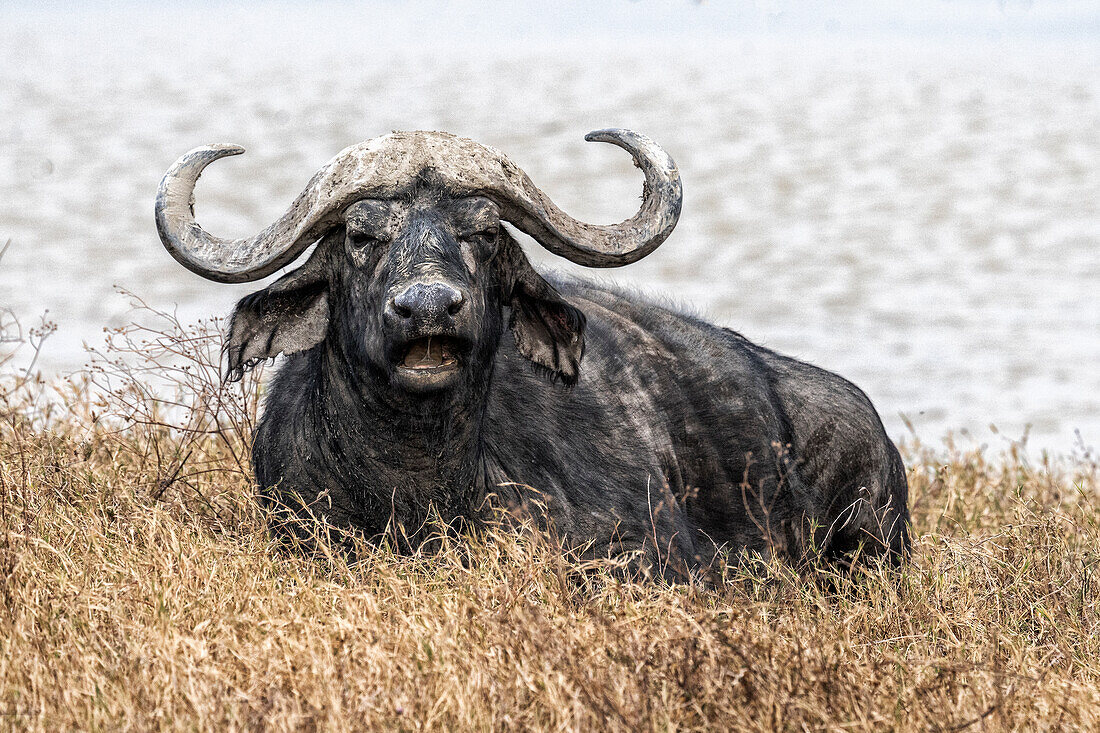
(430, 355)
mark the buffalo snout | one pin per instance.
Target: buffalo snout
(429, 304)
(426, 307)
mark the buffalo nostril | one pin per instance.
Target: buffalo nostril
(402, 310)
(457, 302)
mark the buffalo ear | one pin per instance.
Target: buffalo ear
(547, 329)
(288, 316)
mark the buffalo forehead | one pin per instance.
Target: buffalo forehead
(468, 213)
(385, 166)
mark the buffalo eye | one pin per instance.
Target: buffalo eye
(478, 239)
(485, 234)
(361, 240)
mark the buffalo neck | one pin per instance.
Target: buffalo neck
(400, 452)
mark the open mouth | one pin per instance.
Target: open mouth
(431, 355)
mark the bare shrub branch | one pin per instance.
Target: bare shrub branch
(161, 395)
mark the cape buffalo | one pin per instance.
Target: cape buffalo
(432, 371)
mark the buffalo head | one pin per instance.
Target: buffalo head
(412, 268)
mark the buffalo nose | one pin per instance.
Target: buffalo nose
(428, 300)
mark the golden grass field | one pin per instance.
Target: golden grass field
(139, 590)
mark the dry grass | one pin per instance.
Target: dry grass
(138, 590)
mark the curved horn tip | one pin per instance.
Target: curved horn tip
(635, 143)
(609, 135)
(218, 150)
(622, 137)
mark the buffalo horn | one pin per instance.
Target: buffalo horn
(386, 166)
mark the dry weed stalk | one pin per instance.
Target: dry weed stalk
(139, 591)
(20, 384)
(160, 395)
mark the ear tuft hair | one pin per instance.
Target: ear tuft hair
(548, 330)
(288, 316)
(266, 324)
(550, 334)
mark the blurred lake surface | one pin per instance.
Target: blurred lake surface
(926, 224)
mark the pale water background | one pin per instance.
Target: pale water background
(908, 197)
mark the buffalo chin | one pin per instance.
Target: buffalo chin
(427, 380)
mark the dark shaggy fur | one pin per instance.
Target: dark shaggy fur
(672, 437)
